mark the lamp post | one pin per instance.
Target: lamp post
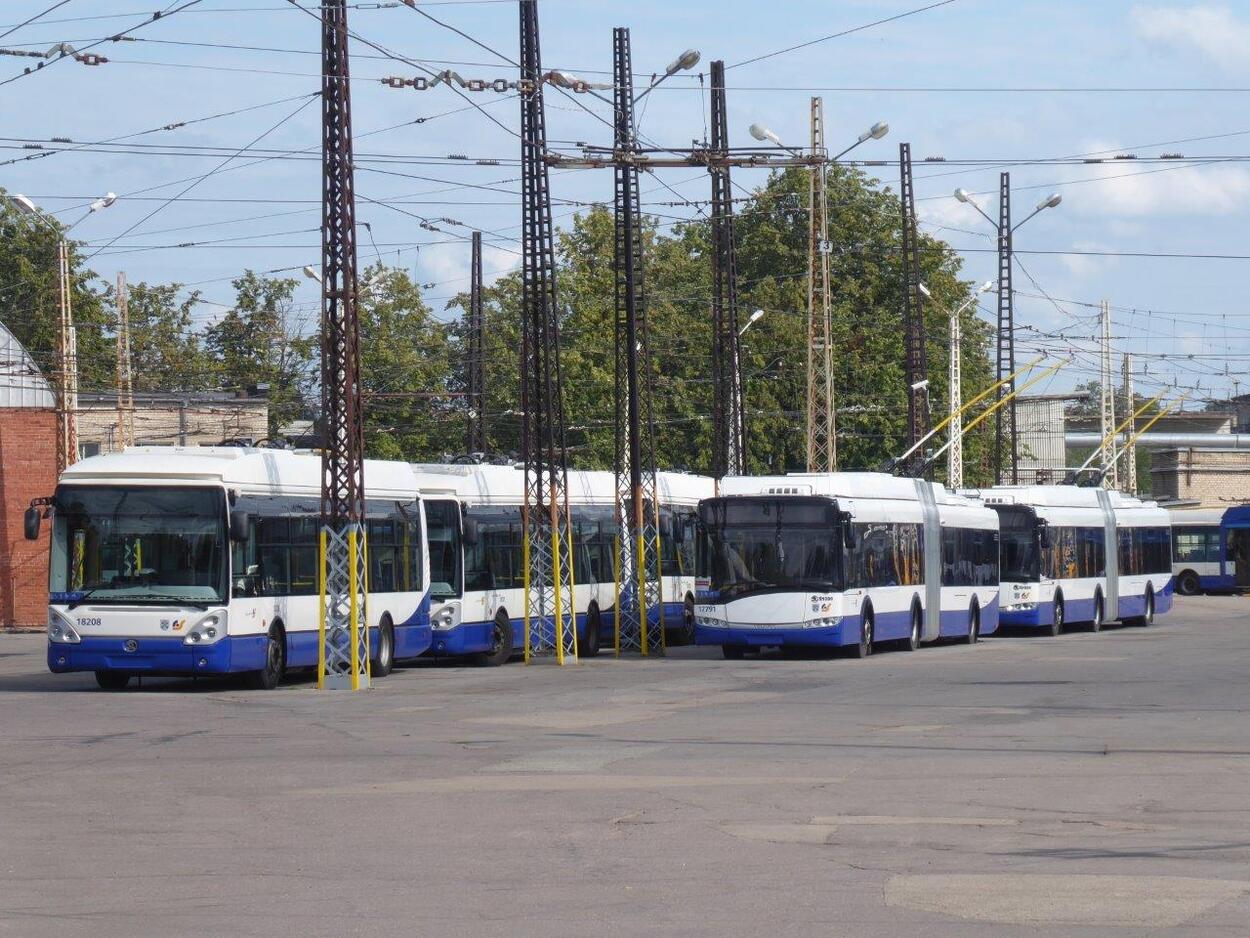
(875, 132)
(684, 62)
(1006, 329)
(955, 453)
(67, 337)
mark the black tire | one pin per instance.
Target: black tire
(912, 641)
(864, 648)
(974, 625)
(1058, 621)
(1096, 623)
(685, 633)
(589, 648)
(733, 652)
(500, 643)
(1148, 615)
(112, 680)
(384, 662)
(270, 676)
(1188, 584)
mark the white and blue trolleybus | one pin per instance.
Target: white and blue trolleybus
(1081, 555)
(845, 559)
(1202, 558)
(189, 561)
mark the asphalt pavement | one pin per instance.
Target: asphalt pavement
(1087, 785)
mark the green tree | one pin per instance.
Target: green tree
(166, 353)
(261, 342)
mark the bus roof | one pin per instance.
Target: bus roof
(860, 485)
(505, 485)
(1211, 516)
(264, 471)
(1057, 496)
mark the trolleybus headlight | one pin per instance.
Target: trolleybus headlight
(1020, 607)
(827, 622)
(206, 631)
(60, 631)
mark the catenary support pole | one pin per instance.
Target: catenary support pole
(475, 366)
(822, 447)
(915, 366)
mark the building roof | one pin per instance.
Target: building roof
(22, 384)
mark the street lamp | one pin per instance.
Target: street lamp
(755, 317)
(1006, 351)
(684, 62)
(875, 132)
(312, 273)
(67, 336)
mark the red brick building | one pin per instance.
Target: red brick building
(27, 470)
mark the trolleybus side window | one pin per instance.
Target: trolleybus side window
(1075, 553)
(1145, 550)
(886, 555)
(494, 562)
(969, 557)
(1196, 545)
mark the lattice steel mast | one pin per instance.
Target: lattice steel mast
(1130, 447)
(954, 383)
(1106, 393)
(67, 365)
(913, 312)
(728, 425)
(1005, 416)
(822, 446)
(475, 364)
(638, 584)
(344, 646)
(125, 370)
(550, 628)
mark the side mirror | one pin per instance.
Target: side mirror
(1043, 537)
(668, 530)
(848, 533)
(32, 519)
(468, 531)
(239, 524)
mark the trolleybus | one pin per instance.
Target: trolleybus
(1081, 555)
(474, 513)
(168, 560)
(1199, 563)
(843, 559)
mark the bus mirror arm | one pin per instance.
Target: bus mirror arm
(1043, 535)
(239, 524)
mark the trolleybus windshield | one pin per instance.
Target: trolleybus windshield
(1020, 548)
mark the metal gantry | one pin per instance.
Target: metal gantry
(1005, 447)
(343, 659)
(954, 383)
(67, 365)
(822, 446)
(637, 567)
(913, 308)
(125, 370)
(475, 358)
(1106, 391)
(728, 423)
(547, 548)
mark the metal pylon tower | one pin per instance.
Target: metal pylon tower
(475, 364)
(343, 659)
(913, 311)
(822, 446)
(728, 424)
(954, 382)
(1106, 393)
(638, 584)
(1006, 452)
(550, 625)
(1130, 447)
(125, 370)
(67, 366)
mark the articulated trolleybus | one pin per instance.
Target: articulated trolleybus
(170, 560)
(1081, 555)
(474, 514)
(843, 559)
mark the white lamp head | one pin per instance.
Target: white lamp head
(756, 316)
(925, 290)
(986, 287)
(687, 60)
(962, 195)
(760, 132)
(878, 130)
(1050, 201)
(99, 204)
(24, 205)
(312, 273)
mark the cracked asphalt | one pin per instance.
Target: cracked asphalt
(1089, 785)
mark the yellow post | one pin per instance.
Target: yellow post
(354, 613)
(525, 579)
(321, 610)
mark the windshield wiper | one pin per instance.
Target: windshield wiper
(83, 598)
(744, 585)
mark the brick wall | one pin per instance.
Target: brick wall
(27, 470)
(1215, 478)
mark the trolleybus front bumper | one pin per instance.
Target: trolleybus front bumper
(150, 655)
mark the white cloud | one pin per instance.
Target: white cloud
(1087, 266)
(1125, 189)
(1213, 31)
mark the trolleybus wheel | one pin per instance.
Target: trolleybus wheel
(1148, 614)
(864, 648)
(912, 641)
(974, 624)
(685, 634)
(733, 652)
(1057, 622)
(594, 634)
(270, 676)
(112, 680)
(1188, 584)
(384, 663)
(1095, 624)
(500, 642)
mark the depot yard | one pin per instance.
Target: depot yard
(1085, 785)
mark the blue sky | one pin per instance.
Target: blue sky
(973, 79)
